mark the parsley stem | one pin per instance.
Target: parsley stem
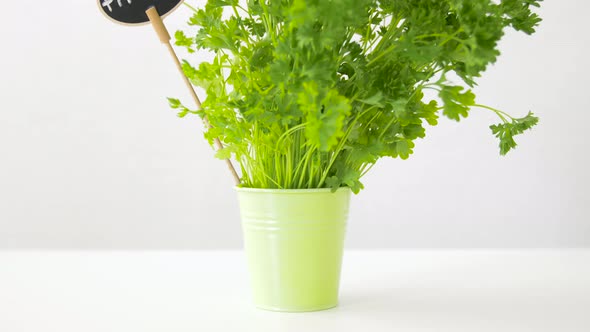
(341, 145)
(502, 115)
(365, 170)
(191, 7)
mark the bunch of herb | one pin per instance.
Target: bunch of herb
(311, 93)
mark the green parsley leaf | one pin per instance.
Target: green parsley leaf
(505, 132)
(456, 103)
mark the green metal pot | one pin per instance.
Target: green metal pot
(294, 241)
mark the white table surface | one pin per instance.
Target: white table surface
(420, 290)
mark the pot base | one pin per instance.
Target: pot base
(275, 309)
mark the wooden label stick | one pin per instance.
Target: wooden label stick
(135, 12)
(164, 37)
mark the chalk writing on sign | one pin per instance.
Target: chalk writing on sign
(132, 12)
(107, 3)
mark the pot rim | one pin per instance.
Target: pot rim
(290, 191)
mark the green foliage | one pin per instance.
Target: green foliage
(507, 130)
(456, 103)
(311, 93)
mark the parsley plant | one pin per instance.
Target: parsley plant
(311, 93)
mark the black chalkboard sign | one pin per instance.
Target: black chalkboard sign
(133, 11)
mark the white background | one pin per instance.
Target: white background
(91, 156)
